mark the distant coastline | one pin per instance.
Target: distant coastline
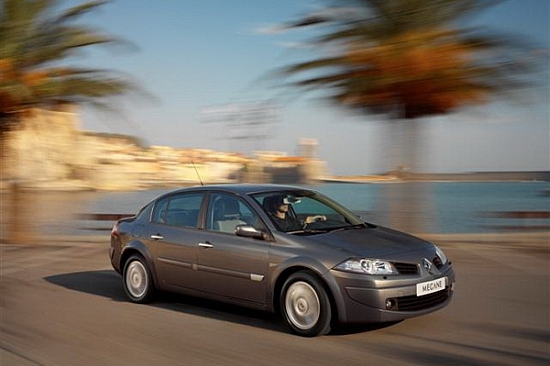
(78, 185)
(542, 176)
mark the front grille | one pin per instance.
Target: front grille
(412, 303)
(406, 268)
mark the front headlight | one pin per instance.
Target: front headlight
(367, 266)
(440, 254)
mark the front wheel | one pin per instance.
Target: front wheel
(137, 279)
(305, 305)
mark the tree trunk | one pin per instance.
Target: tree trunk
(407, 202)
(16, 207)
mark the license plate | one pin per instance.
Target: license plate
(430, 287)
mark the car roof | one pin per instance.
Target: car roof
(240, 188)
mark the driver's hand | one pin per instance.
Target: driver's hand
(315, 218)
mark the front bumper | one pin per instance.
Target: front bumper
(379, 299)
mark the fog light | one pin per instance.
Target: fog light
(390, 304)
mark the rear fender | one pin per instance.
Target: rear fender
(137, 247)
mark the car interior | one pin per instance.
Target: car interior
(226, 214)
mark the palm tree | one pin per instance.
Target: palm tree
(407, 59)
(35, 70)
(38, 43)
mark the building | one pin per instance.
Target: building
(48, 150)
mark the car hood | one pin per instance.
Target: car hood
(379, 242)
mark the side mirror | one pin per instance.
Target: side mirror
(250, 232)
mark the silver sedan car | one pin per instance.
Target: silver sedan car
(280, 249)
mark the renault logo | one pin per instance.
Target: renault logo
(428, 265)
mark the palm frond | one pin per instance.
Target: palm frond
(412, 55)
(37, 43)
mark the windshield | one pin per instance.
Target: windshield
(305, 211)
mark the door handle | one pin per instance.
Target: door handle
(205, 245)
(157, 237)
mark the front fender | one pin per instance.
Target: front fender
(284, 269)
(298, 262)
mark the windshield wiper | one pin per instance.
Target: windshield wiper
(348, 227)
(307, 231)
(328, 229)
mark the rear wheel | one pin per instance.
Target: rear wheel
(305, 305)
(137, 279)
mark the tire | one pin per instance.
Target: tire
(305, 305)
(137, 280)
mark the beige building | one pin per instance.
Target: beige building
(44, 147)
(50, 151)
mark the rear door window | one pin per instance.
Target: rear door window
(180, 210)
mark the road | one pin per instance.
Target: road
(62, 304)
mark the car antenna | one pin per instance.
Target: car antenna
(196, 171)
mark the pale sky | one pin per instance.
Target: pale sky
(195, 56)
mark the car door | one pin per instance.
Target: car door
(229, 265)
(174, 234)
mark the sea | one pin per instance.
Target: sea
(446, 207)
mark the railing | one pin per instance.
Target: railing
(107, 218)
(496, 220)
(518, 220)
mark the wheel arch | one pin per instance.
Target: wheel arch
(140, 249)
(313, 270)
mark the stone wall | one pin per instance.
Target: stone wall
(44, 147)
(48, 150)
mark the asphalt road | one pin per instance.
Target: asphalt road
(62, 304)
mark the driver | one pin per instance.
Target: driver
(278, 209)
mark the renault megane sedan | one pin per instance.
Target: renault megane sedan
(282, 249)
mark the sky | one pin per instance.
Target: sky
(199, 59)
